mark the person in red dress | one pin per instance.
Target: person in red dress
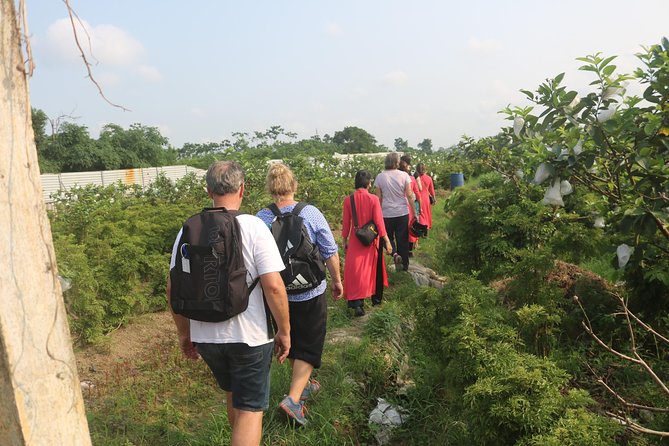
(425, 194)
(414, 208)
(364, 268)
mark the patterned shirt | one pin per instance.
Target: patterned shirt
(319, 233)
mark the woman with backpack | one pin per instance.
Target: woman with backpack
(308, 308)
(364, 268)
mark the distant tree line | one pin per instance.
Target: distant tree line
(64, 146)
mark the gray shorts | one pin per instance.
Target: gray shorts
(242, 370)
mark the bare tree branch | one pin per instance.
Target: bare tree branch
(72, 16)
(635, 359)
(23, 19)
(637, 427)
(617, 396)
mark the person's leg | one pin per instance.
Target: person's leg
(402, 234)
(390, 229)
(378, 292)
(247, 430)
(242, 372)
(230, 409)
(300, 377)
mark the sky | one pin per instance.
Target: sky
(413, 69)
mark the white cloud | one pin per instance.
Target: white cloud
(333, 29)
(106, 44)
(396, 78)
(484, 45)
(150, 73)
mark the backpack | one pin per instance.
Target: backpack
(305, 269)
(208, 281)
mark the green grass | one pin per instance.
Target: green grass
(164, 399)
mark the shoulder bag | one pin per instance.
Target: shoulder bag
(368, 232)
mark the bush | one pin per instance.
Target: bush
(472, 352)
(113, 244)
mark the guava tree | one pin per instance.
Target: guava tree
(614, 145)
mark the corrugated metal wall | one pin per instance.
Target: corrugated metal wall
(53, 182)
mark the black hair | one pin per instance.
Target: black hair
(362, 179)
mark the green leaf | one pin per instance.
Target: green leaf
(528, 93)
(558, 79)
(597, 135)
(648, 226)
(608, 71)
(589, 160)
(649, 95)
(606, 61)
(569, 97)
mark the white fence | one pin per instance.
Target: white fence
(53, 182)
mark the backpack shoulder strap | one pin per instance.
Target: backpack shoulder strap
(275, 209)
(298, 207)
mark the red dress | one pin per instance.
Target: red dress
(425, 208)
(412, 207)
(360, 263)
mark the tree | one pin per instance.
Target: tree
(401, 145)
(40, 395)
(138, 146)
(39, 127)
(425, 145)
(355, 140)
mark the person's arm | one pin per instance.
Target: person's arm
(431, 190)
(407, 190)
(388, 247)
(381, 226)
(332, 264)
(379, 193)
(346, 223)
(183, 329)
(277, 301)
(415, 209)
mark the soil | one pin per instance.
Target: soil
(564, 275)
(124, 345)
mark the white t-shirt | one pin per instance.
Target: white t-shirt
(261, 256)
(392, 184)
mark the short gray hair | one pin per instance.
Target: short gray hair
(392, 160)
(224, 177)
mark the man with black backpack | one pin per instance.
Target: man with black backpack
(218, 259)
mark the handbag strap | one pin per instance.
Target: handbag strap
(353, 213)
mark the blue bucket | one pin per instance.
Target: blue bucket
(457, 180)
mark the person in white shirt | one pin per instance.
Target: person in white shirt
(393, 188)
(239, 350)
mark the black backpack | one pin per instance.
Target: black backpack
(305, 269)
(208, 281)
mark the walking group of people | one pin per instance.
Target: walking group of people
(402, 203)
(238, 350)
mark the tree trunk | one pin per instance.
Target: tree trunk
(40, 396)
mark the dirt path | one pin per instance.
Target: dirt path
(145, 333)
(124, 345)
